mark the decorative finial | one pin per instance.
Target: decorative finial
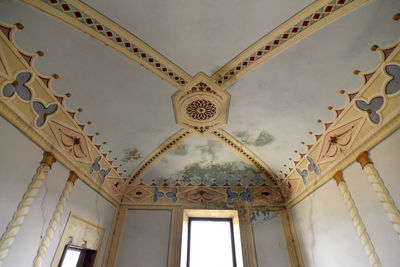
(40, 53)
(342, 92)
(356, 72)
(55, 76)
(330, 107)
(80, 109)
(19, 26)
(396, 17)
(68, 94)
(374, 47)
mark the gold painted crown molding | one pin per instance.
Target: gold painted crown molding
(373, 110)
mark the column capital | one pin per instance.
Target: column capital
(338, 176)
(72, 177)
(363, 159)
(48, 159)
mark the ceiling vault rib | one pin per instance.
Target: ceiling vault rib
(88, 20)
(161, 151)
(252, 159)
(309, 20)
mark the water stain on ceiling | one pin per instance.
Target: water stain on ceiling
(263, 138)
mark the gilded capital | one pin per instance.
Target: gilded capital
(363, 159)
(72, 177)
(338, 176)
(48, 159)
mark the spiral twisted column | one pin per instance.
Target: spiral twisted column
(380, 190)
(361, 231)
(54, 220)
(23, 208)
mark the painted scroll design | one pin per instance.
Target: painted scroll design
(202, 195)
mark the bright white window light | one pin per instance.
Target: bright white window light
(71, 258)
(210, 243)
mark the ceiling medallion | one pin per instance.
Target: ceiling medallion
(200, 107)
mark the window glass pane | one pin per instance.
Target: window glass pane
(71, 258)
(210, 244)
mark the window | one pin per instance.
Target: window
(77, 257)
(211, 238)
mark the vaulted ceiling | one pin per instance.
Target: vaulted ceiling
(271, 100)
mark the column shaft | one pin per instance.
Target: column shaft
(380, 190)
(54, 220)
(355, 216)
(18, 218)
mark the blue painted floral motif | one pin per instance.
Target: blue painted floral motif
(95, 166)
(19, 87)
(371, 108)
(246, 195)
(394, 85)
(172, 195)
(303, 174)
(157, 194)
(103, 173)
(231, 195)
(43, 112)
(312, 167)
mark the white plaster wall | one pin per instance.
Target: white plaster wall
(326, 234)
(145, 239)
(19, 159)
(386, 159)
(269, 242)
(325, 231)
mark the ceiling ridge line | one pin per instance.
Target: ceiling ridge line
(161, 151)
(303, 24)
(88, 20)
(250, 157)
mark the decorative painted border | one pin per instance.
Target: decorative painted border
(370, 133)
(206, 195)
(247, 155)
(306, 22)
(167, 146)
(90, 21)
(21, 114)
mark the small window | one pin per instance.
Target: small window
(77, 257)
(211, 238)
(211, 242)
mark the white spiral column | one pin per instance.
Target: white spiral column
(380, 190)
(18, 218)
(54, 220)
(361, 231)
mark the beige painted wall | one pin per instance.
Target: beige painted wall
(325, 231)
(19, 159)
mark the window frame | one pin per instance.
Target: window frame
(210, 215)
(211, 219)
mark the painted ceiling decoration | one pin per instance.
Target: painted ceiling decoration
(201, 107)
